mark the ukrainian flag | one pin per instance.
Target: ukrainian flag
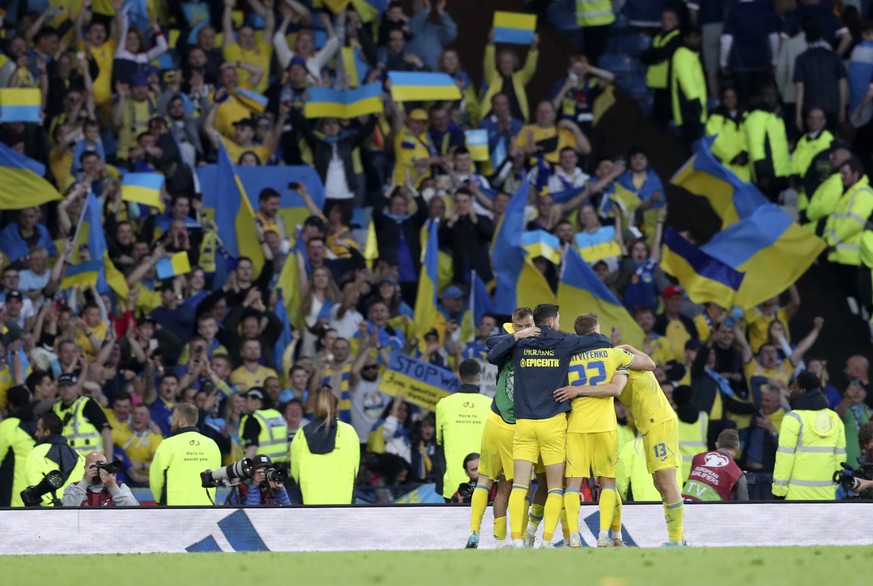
(479, 304)
(177, 264)
(422, 86)
(354, 66)
(515, 28)
(770, 248)
(370, 10)
(284, 340)
(518, 280)
(730, 197)
(581, 291)
(288, 284)
(144, 188)
(232, 213)
(22, 181)
(335, 5)
(541, 243)
(621, 197)
(426, 311)
(330, 103)
(477, 144)
(96, 268)
(252, 100)
(20, 105)
(704, 278)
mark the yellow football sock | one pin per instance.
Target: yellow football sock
(526, 518)
(675, 515)
(478, 504)
(517, 505)
(536, 514)
(564, 530)
(607, 506)
(572, 505)
(500, 528)
(552, 512)
(616, 518)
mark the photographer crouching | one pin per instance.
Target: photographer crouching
(858, 482)
(266, 486)
(99, 486)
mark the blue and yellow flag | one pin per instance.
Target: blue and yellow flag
(477, 144)
(370, 10)
(90, 253)
(232, 214)
(704, 278)
(354, 65)
(426, 300)
(252, 100)
(177, 264)
(330, 103)
(284, 340)
(20, 105)
(515, 28)
(22, 181)
(289, 286)
(770, 248)
(581, 291)
(542, 243)
(422, 86)
(479, 304)
(144, 188)
(519, 283)
(730, 197)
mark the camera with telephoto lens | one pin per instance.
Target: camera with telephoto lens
(110, 467)
(242, 470)
(274, 475)
(51, 482)
(850, 481)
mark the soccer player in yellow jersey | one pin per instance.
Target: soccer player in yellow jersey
(495, 455)
(657, 423)
(592, 432)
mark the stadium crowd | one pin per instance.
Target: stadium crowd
(265, 350)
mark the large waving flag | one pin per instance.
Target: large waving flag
(515, 28)
(232, 214)
(330, 103)
(22, 181)
(20, 105)
(292, 208)
(767, 248)
(581, 291)
(426, 299)
(93, 268)
(730, 197)
(422, 86)
(519, 283)
(284, 340)
(704, 278)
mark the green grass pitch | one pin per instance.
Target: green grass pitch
(771, 566)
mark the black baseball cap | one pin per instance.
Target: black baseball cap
(262, 461)
(67, 379)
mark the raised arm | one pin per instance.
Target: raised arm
(227, 23)
(805, 344)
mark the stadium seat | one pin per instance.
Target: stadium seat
(619, 64)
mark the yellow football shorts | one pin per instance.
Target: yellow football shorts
(592, 452)
(535, 438)
(662, 446)
(495, 455)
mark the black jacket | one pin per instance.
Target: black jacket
(322, 151)
(389, 231)
(468, 245)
